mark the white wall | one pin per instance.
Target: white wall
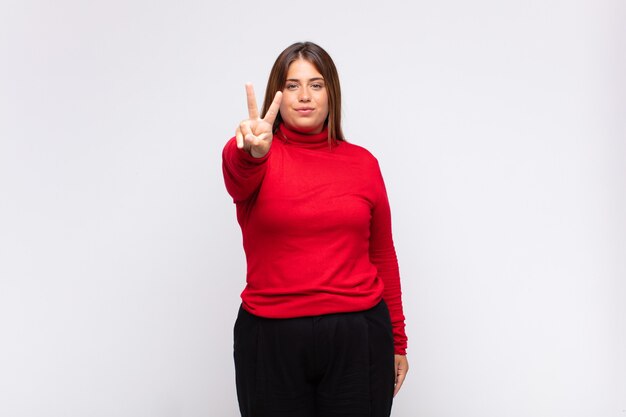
(500, 128)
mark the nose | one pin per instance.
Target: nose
(304, 95)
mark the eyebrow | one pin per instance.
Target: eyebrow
(312, 79)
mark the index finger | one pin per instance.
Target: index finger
(253, 111)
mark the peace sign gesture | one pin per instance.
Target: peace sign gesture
(255, 134)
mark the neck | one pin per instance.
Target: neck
(315, 140)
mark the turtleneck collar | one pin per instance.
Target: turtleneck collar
(314, 141)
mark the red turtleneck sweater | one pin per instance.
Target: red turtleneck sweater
(316, 229)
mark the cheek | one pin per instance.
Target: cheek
(286, 102)
(283, 109)
(324, 101)
(326, 108)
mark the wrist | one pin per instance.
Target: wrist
(254, 154)
(257, 153)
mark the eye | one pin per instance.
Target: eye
(317, 86)
(291, 86)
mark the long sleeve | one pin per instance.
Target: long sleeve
(383, 255)
(243, 173)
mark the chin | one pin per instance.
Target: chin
(306, 128)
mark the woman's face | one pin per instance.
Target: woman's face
(304, 106)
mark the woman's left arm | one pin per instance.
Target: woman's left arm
(383, 256)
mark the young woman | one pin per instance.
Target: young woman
(320, 331)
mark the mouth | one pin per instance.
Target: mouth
(305, 110)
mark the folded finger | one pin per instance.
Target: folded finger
(239, 138)
(399, 381)
(245, 128)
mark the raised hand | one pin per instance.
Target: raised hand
(255, 134)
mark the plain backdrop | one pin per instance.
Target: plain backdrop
(500, 129)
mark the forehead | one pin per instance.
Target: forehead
(302, 69)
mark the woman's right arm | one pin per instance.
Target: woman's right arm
(244, 156)
(243, 173)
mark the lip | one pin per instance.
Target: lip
(305, 110)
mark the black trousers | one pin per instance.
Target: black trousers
(323, 366)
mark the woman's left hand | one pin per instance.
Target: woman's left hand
(402, 367)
